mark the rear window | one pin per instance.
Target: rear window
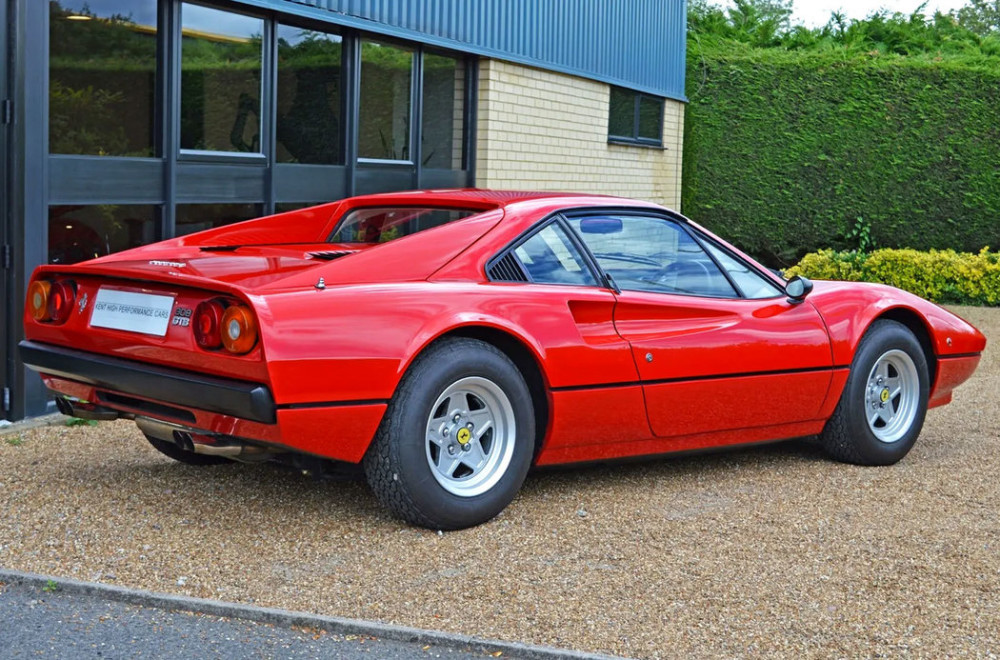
(383, 224)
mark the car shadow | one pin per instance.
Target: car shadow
(683, 464)
(339, 490)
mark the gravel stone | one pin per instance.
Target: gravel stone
(766, 551)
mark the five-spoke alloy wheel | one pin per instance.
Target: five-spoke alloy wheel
(470, 436)
(882, 408)
(457, 439)
(892, 398)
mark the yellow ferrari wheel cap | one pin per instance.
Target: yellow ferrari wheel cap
(463, 436)
(885, 395)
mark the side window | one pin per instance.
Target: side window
(549, 257)
(751, 283)
(651, 254)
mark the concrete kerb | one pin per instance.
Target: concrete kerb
(13, 428)
(286, 619)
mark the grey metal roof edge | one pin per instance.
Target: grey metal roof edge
(375, 27)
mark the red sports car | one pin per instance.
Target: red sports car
(449, 340)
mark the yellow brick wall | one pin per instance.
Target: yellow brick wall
(541, 130)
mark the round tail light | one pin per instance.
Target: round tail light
(62, 295)
(239, 329)
(38, 299)
(208, 324)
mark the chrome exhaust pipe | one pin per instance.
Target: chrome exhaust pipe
(187, 439)
(83, 410)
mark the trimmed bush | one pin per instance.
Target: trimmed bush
(785, 150)
(943, 276)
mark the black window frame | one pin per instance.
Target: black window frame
(266, 92)
(705, 240)
(682, 224)
(303, 23)
(603, 279)
(635, 139)
(509, 251)
(173, 176)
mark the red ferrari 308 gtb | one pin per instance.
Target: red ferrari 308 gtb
(449, 340)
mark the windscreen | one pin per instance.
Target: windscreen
(386, 223)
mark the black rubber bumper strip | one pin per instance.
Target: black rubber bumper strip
(238, 398)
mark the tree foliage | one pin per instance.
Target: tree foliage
(973, 30)
(980, 16)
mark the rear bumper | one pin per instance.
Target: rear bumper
(242, 399)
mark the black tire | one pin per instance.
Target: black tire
(847, 436)
(185, 456)
(398, 463)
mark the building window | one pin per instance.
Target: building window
(635, 118)
(102, 77)
(199, 217)
(384, 125)
(78, 232)
(309, 124)
(443, 125)
(220, 80)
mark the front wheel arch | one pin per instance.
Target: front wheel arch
(916, 324)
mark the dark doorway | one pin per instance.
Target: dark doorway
(6, 257)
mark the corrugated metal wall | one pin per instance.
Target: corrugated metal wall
(638, 44)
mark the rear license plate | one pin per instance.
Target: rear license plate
(147, 313)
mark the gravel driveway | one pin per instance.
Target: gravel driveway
(763, 551)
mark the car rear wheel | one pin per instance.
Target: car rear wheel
(183, 455)
(882, 408)
(456, 442)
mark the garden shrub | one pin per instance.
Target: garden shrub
(943, 276)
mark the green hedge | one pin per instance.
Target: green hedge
(785, 151)
(939, 275)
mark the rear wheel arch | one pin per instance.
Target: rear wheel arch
(523, 357)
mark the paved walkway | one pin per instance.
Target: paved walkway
(57, 618)
(57, 624)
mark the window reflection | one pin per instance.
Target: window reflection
(220, 80)
(309, 97)
(384, 127)
(443, 124)
(102, 77)
(650, 118)
(78, 233)
(621, 120)
(198, 217)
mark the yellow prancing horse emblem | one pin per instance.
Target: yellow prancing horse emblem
(885, 395)
(464, 435)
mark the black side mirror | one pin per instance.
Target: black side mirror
(798, 288)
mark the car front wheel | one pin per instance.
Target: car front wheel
(457, 439)
(882, 408)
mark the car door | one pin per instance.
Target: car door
(717, 345)
(594, 395)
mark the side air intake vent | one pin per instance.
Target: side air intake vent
(331, 255)
(507, 269)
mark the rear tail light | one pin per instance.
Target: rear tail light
(239, 329)
(61, 299)
(51, 301)
(208, 324)
(38, 299)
